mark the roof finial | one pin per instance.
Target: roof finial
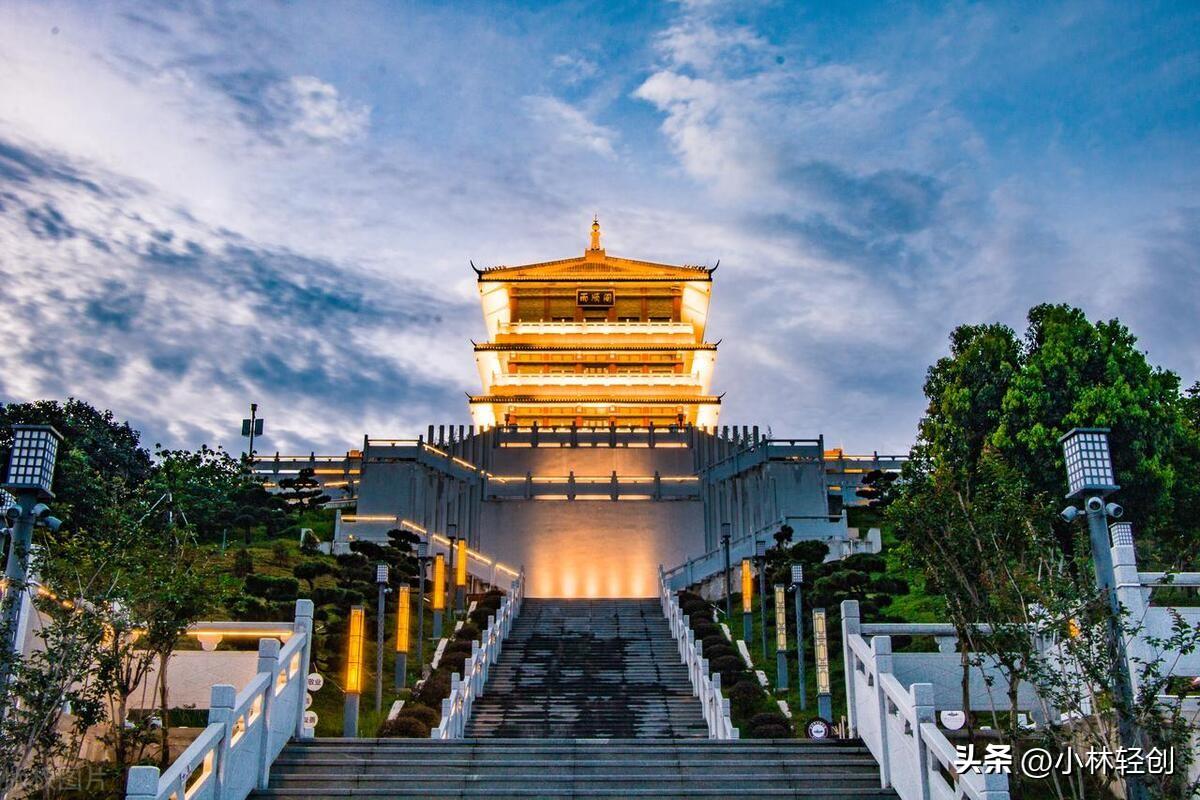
(595, 232)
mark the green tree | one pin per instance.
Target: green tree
(97, 454)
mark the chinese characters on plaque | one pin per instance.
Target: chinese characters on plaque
(595, 298)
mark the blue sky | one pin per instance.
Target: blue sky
(207, 204)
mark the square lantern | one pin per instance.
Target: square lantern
(1089, 463)
(797, 574)
(1122, 534)
(31, 462)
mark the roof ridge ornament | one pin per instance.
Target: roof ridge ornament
(595, 232)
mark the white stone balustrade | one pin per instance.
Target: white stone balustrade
(246, 730)
(705, 685)
(464, 689)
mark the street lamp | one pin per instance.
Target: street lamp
(798, 582)
(451, 553)
(30, 474)
(760, 553)
(747, 599)
(460, 576)
(821, 651)
(403, 634)
(728, 578)
(354, 669)
(439, 593)
(1090, 473)
(381, 580)
(422, 555)
(781, 670)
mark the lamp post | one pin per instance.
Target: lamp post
(460, 576)
(798, 582)
(439, 593)
(403, 634)
(422, 554)
(821, 651)
(781, 670)
(354, 668)
(760, 552)
(30, 473)
(728, 576)
(451, 556)
(747, 600)
(1090, 473)
(381, 580)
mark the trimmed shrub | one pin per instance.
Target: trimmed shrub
(468, 632)
(713, 640)
(722, 650)
(769, 732)
(405, 728)
(435, 689)
(429, 716)
(728, 665)
(768, 718)
(744, 697)
(704, 628)
(271, 587)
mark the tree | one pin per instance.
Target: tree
(309, 571)
(303, 491)
(96, 454)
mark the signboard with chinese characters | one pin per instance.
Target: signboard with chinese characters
(595, 298)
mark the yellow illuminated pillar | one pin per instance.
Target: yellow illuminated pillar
(747, 600)
(460, 575)
(439, 593)
(354, 670)
(781, 667)
(821, 652)
(403, 634)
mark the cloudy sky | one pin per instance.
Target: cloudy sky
(207, 204)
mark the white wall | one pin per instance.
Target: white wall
(592, 548)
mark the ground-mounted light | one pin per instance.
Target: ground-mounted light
(439, 582)
(821, 651)
(747, 586)
(780, 617)
(1089, 462)
(821, 640)
(354, 650)
(31, 461)
(460, 566)
(404, 620)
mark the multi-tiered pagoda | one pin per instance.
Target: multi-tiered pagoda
(595, 341)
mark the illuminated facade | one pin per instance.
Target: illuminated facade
(595, 341)
(594, 456)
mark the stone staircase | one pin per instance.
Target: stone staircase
(564, 768)
(588, 699)
(589, 669)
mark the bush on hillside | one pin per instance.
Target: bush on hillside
(271, 587)
(426, 714)
(435, 688)
(404, 727)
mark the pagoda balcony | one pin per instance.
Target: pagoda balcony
(598, 380)
(592, 327)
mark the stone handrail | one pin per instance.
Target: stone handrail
(898, 726)
(246, 730)
(456, 709)
(705, 685)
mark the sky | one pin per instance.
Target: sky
(208, 204)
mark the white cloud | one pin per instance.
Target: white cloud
(312, 108)
(566, 125)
